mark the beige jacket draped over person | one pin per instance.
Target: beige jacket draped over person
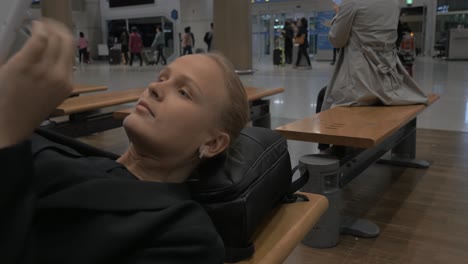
(368, 70)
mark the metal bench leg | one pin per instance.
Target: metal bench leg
(404, 154)
(264, 121)
(326, 232)
(358, 227)
(260, 113)
(324, 179)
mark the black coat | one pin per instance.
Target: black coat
(61, 207)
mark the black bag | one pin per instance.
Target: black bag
(277, 53)
(240, 188)
(148, 57)
(115, 56)
(207, 38)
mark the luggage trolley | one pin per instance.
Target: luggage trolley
(407, 52)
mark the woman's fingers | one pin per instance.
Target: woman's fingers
(34, 48)
(35, 80)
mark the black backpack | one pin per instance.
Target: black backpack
(240, 188)
(207, 38)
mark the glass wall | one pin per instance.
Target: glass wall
(450, 14)
(146, 26)
(267, 28)
(452, 5)
(445, 22)
(415, 19)
(261, 27)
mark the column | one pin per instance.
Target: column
(233, 32)
(59, 10)
(431, 16)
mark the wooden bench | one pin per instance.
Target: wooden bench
(81, 89)
(259, 108)
(275, 239)
(83, 119)
(368, 133)
(360, 127)
(96, 101)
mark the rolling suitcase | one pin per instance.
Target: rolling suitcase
(148, 57)
(277, 57)
(115, 57)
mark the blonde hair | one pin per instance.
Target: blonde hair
(235, 114)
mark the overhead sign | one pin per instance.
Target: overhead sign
(174, 14)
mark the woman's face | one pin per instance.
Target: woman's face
(179, 113)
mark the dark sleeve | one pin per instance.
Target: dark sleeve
(190, 238)
(400, 34)
(17, 203)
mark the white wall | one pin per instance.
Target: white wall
(198, 14)
(159, 8)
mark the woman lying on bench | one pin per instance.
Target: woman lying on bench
(59, 206)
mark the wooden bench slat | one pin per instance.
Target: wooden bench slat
(362, 127)
(279, 235)
(80, 88)
(252, 95)
(95, 101)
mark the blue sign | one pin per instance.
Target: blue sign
(174, 14)
(324, 21)
(323, 43)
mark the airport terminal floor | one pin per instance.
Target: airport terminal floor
(421, 213)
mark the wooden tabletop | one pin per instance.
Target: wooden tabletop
(280, 234)
(95, 101)
(80, 88)
(362, 127)
(253, 94)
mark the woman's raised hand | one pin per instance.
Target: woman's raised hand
(35, 81)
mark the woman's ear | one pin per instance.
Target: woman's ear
(215, 145)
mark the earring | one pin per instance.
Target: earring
(202, 152)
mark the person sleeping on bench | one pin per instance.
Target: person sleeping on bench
(59, 206)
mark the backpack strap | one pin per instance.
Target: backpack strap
(295, 186)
